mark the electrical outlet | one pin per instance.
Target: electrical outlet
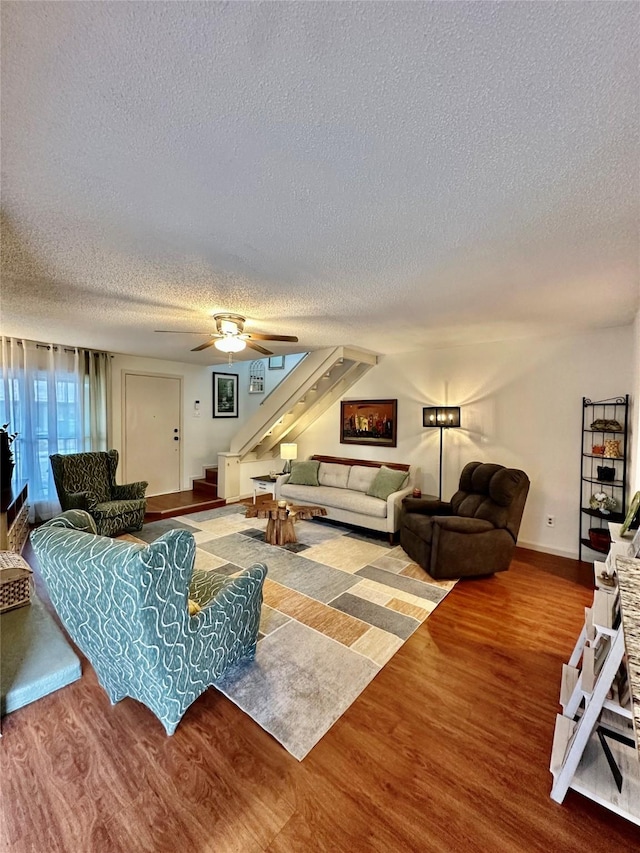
(551, 521)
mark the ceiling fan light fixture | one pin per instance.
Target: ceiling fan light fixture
(230, 343)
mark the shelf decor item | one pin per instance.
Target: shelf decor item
(612, 448)
(597, 449)
(604, 425)
(606, 474)
(599, 539)
(605, 503)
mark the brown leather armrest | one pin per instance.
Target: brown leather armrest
(459, 524)
(426, 506)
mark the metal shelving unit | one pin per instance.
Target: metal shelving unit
(602, 412)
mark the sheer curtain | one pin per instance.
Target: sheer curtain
(57, 399)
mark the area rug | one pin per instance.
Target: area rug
(36, 658)
(337, 606)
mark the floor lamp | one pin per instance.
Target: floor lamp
(443, 417)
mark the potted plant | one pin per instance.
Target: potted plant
(7, 462)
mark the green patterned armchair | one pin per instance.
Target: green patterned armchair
(88, 481)
(127, 607)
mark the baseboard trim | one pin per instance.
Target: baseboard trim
(556, 552)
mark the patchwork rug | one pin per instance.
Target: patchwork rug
(337, 606)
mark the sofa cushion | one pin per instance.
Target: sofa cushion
(331, 474)
(386, 482)
(304, 473)
(329, 496)
(361, 477)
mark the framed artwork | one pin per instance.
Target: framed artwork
(276, 362)
(225, 395)
(369, 422)
(256, 377)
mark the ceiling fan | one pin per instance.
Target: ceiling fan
(230, 336)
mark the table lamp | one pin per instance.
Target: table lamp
(288, 451)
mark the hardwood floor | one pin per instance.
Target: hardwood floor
(179, 503)
(446, 750)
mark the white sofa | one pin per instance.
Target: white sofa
(343, 493)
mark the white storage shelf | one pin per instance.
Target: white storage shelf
(589, 697)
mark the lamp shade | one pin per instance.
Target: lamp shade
(288, 451)
(230, 343)
(441, 416)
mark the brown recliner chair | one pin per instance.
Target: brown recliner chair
(474, 533)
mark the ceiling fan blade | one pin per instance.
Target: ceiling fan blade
(180, 332)
(258, 348)
(203, 346)
(260, 337)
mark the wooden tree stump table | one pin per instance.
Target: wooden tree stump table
(280, 530)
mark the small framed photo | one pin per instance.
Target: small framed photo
(276, 362)
(225, 395)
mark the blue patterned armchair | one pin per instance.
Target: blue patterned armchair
(127, 607)
(88, 481)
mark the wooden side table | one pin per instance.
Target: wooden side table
(280, 530)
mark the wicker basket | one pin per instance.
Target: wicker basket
(15, 581)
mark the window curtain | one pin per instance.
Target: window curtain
(57, 399)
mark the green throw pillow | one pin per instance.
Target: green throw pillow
(386, 482)
(304, 473)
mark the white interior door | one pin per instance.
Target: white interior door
(152, 431)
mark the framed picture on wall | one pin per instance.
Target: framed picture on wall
(256, 377)
(276, 362)
(225, 395)
(369, 422)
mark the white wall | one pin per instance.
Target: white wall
(203, 437)
(521, 406)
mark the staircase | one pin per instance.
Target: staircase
(203, 495)
(207, 485)
(318, 381)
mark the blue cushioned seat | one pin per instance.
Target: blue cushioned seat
(125, 605)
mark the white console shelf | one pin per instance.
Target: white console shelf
(596, 695)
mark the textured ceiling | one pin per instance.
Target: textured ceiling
(388, 175)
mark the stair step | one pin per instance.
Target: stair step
(205, 487)
(211, 475)
(184, 507)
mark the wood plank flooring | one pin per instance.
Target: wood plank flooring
(179, 503)
(446, 750)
